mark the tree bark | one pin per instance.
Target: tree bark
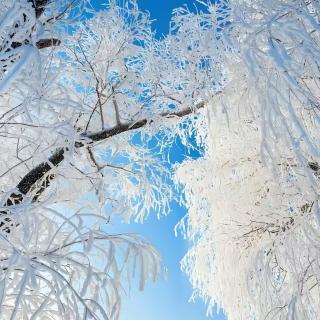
(39, 6)
(37, 174)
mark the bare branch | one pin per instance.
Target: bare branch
(47, 43)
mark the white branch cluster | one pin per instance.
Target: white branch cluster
(254, 200)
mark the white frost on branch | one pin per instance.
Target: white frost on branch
(254, 199)
(71, 94)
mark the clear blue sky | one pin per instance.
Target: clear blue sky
(165, 299)
(161, 11)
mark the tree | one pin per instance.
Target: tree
(255, 220)
(82, 94)
(76, 87)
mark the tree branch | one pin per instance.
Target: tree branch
(41, 171)
(47, 43)
(118, 129)
(39, 6)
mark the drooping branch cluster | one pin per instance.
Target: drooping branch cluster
(258, 210)
(70, 164)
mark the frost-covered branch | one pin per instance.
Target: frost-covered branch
(39, 178)
(71, 117)
(258, 209)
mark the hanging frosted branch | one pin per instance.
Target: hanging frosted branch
(254, 200)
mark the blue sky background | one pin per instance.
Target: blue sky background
(161, 10)
(165, 299)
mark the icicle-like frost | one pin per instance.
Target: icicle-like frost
(25, 55)
(253, 199)
(36, 274)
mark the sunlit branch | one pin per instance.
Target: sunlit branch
(41, 171)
